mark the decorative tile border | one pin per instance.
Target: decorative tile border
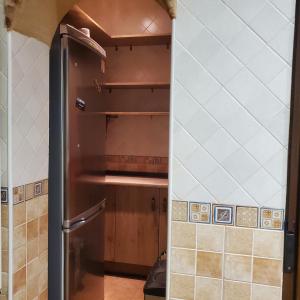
(271, 218)
(200, 212)
(4, 195)
(223, 215)
(219, 214)
(131, 163)
(29, 191)
(18, 194)
(180, 211)
(246, 216)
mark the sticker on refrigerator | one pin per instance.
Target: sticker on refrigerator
(80, 104)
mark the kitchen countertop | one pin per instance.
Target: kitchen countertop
(125, 180)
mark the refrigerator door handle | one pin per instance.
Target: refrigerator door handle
(84, 218)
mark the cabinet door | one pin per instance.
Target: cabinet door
(137, 225)
(110, 224)
(163, 219)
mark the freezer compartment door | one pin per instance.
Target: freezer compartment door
(84, 258)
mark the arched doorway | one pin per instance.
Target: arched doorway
(109, 139)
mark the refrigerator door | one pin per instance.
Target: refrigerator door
(85, 127)
(84, 257)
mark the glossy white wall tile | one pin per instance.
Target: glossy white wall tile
(30, 109)
(232, 67)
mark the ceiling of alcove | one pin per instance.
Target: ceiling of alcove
(134, 17)
(39, 19)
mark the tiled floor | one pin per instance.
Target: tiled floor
(120, 288)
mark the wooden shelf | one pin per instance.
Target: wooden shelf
(125, 180)
(127, 113)
(136, 85)
(135, 113)
(141, 40)
(78, 18)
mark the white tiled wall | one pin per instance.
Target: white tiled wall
(3, 97)
(30, 109)
(231, 100)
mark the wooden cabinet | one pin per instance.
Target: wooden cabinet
(163, 220)
(110, 224)
(136, 225)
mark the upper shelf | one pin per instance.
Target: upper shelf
(140, 40)
(125, 180)
(136, 85)
(136, 113)
(127, 113)
(77, 17)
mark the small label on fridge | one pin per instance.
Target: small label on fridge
(80, 104)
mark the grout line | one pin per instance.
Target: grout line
(235, 140)
(280, 12)
(199, 250)
(183, 166)
(221, 167)
(243, 64)
(222, 86)
(225, 252)
(26, 242)
(257, 35)
(195, 267)
(223, 262)
(252, 262)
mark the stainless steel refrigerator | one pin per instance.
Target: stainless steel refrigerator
(77, 137)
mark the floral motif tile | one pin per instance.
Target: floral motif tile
(200, 212)
(271, 218)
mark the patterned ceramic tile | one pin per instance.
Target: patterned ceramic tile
(223, 214)
(18, 194)
(38, 189)
(180, 211)
(45, 186)
(200, 212)
(29, 191)
(246, 216)
(136, 163)
(4, 195)
(271, 218)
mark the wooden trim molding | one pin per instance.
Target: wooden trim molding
(291, 280)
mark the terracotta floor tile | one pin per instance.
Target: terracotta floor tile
(120, 288)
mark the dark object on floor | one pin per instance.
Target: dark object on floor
(156, 281)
